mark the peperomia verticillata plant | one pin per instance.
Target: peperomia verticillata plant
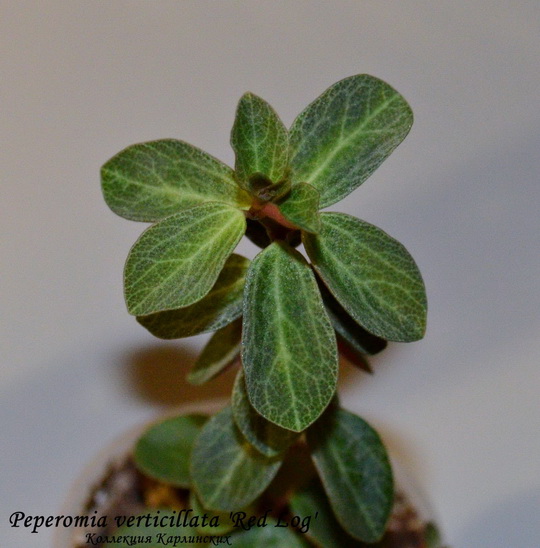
(281, 318)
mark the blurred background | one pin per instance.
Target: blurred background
(82, 80)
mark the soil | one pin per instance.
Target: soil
(125, 491)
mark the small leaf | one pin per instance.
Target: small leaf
(218, 308)
(432, 536)
(266, 437)
(269, 536)
(355, 472)
(257, 233)
(147, 528)
(371, 275)
(264, 190)
(289, 348)
(163, 452)
(220, 351)
(225, 523)
(341, 138)
(176, 262)
(324, 529)
(301, 207)
(227, 472)
(150, 181)
(259, 140)
(355, 335)
(355, 358)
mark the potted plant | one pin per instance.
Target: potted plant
(283, 464)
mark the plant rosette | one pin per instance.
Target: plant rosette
(283, 318)
(113, 489)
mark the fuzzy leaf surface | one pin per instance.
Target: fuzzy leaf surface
(259, 140)
(163, 452)
(341, 138)
(150, 181)
(220, 351)
(301, 207)
(265, 436)
(218, 308)
(228, 474)
(355, 472)
(289, 349)
(176, 262)
(269, 536)
(371, 275)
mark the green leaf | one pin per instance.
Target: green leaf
(220, 351)
(324, 528)
(266, 437)
(301, 207)
(227, 472)
(147, 527)
(225, 523)
(150, 181)
(269, 536)
(355, 335)
(289, 348)
(355, 358)
(264, 190)
(341, 138)
(176, 262)
(221, 306)
(432, 536)
(371, 275)
(163, 452)
(355, 471)
(259, 140)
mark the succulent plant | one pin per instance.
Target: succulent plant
(280, 316)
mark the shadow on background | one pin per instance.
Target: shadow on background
(157, 373)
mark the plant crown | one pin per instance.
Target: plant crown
(281, 316)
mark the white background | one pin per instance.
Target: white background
(81, 80)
